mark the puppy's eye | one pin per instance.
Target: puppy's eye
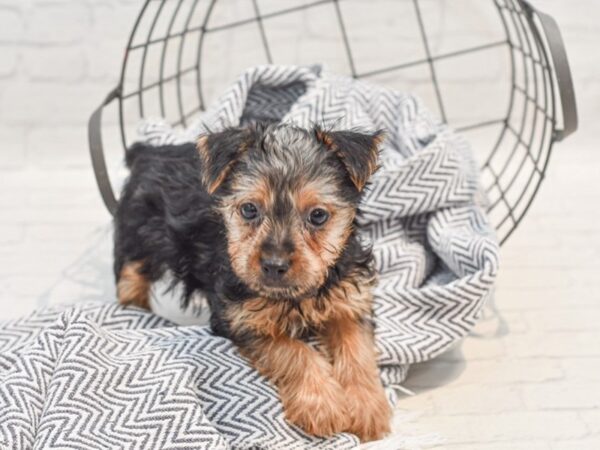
(249, 211)
(318, 217)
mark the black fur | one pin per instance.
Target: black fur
(167, 219)
(357, 151)
(222, 149)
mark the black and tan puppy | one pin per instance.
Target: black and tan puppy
(261, 220)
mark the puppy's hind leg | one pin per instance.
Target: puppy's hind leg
(133, 287)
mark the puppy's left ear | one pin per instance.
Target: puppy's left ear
(219, 152)
(358, 152)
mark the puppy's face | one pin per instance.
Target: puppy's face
(288, 198)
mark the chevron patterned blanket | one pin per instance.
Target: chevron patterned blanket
(99, 376)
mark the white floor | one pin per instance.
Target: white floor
(529, 377)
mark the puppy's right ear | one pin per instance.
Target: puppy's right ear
(219, 152)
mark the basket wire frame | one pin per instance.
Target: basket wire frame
(513, 168)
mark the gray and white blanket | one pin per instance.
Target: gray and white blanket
(99, 376)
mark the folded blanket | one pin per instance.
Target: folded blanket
(99, 376)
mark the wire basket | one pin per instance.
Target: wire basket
(496, 71)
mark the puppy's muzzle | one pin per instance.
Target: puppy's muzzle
(274, 268)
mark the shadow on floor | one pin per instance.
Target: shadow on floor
(448, 366)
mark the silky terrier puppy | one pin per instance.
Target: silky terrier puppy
(261, 220)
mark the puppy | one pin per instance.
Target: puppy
(261, 220)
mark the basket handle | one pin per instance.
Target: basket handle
(97, 153)
(561, 67)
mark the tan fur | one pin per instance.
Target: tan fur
(314, 251)
(311, 397)
(327, 242)
(133, 288)
(202, 146)
(324, 392)
(354, 359)
(372, 165)
(348, 301)
(325, 138)
(212, 187)
(293, 366)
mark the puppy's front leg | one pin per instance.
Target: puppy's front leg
(352, 349)
(311, 397)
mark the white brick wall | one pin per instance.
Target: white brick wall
(59, 58)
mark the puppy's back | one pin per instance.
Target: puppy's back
(165, 216)
(141, 151)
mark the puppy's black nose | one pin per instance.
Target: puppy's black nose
(275, 268)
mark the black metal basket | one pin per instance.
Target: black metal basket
(175, 58)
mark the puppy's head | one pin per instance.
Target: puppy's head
(288, 197)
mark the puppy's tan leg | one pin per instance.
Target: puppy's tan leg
(133, 288)
(354, 358)
(312, 398)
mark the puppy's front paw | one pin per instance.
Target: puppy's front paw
(369, 410)
(316, 406)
